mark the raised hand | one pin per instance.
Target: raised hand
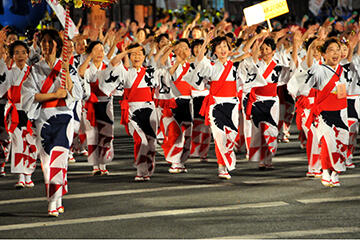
(226, 16)
(294, 28)
(353, 39)
(112, 26)
(79, 24)
(209, 36)
(127, 23)
(134, 50)
(86, 31)
(297, 38)
(3, 34)
(322, 33)
(280, 34)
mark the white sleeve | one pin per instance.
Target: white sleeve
(28, 91)
(111, 79)
(296, 81)
(250, 75)
(165, 88)
(312, 77)
(4, 78)
(76, 91)
(199, 76)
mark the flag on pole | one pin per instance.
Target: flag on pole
(61, 14)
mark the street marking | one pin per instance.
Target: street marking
(349, 176)
(272, 180)
(88, 173)
(322, 200)
(86, 164)
(113, 193)
(289, 179)
(80, 174)
(243, 160)
(300, 233)
(142, 215)
(290, 159)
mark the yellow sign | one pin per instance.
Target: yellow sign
(274, 8)
(264, 11)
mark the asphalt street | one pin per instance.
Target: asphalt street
(282, 203)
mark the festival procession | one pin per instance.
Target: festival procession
(186, 87)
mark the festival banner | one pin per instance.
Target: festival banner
(61, 14)
(265, 11)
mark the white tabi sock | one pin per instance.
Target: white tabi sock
(52, 205)
(95, 167)
(58, 203)
(102, 166)
(21, 178)
(27, 178)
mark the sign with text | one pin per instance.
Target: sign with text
(264, 11)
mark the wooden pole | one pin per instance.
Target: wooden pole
(66, 48)
(269, 25)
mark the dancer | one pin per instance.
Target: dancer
(178, 124)
(221, 106)
(138, 114)
(263, 103)
(23, 147)
(329, 111)
(99, 127)
(201, 133)
(51, 105)
(308, 136)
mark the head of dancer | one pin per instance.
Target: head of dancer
(19, 52)
(96, 49)
(220, 47)
(267, 49)
(182, 48)
(51, 43)
(137, 58)
(331, 52)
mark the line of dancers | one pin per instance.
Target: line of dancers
(178, 89)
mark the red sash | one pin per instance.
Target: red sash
(325, 100)
(89, 105)
(49, 81)
(268, 90)
(125, 102)
(215, 89)
(301, 104)
(182, 86)
(14, 95)
(166, 105)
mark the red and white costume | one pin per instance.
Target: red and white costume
(330, 114)
(53, 122)
(23, 147)
(221, 106)
(177, 124)
(262, 107)
(138, 113)
(99, 114)
(297, 86)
